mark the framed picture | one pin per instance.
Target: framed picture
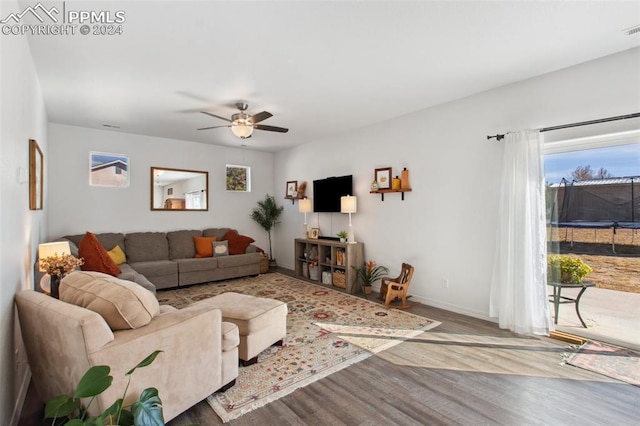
(383, 177)
(36, 176)
(238, 178)
(314, 233)
(292, 189)
(108, 169)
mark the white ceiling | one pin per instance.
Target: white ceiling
(321, 68)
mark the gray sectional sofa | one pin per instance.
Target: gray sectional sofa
(158, 260)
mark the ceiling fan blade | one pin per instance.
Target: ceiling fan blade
(213, 127)
(216, 116)
(270, 128)
(261, 116)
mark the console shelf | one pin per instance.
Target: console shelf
(332, 263)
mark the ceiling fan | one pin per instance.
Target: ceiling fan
(242, 124)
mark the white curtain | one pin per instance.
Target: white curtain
(518, 286)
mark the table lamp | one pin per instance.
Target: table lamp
(304, 206)
(349, 204)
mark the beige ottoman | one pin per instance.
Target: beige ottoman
(262, 322)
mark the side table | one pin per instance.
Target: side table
(557, 299)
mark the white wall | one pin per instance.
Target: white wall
(77, 207)
(446, 226)
(22, 117)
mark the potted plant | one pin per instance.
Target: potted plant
(266, 215)
(369, 273)
(566, 269)
(342, 235)
(147, 410)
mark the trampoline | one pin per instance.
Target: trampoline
(596, 204)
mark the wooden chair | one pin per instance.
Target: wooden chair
(393, 288)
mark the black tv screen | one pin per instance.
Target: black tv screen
(327, 193)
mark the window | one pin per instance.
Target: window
(238, 178)
(593, 205)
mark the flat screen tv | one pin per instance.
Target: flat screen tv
(327, 193)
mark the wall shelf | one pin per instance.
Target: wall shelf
(387, 191)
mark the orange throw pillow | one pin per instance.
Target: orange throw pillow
(96, 257)
(237, 243)
(204, 246)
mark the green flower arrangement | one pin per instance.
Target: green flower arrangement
(566, 269)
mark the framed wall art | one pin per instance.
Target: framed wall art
(292, 189)
(238, 178)
(383, 177)
(36, 176)
(108, 169)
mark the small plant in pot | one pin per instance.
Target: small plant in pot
(342, 235)
(369, 273)
(566, 269)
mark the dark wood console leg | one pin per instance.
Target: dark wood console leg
(279, 343)
(227, 386)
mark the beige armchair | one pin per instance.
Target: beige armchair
(63, 341)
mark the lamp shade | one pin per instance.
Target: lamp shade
(304, 205)
(51, 249)
(348, 204)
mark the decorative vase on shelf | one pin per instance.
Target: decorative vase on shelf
(51, 285)
(395, 183)
(374, 185)
(404, 180)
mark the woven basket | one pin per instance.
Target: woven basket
(264, 264)
(339, 279)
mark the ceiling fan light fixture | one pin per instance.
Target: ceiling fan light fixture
(242, 130)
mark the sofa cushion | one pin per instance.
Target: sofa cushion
(230, 336)
(204, 247)
(123, 304)
(195, 265)
(146, 246)
(95, 256)
(107, 239)
(129, 274)
(215, 232)
(181, 243)
(220, 248)
(156, 267)
(237, 243)
(238, 260)
(117, 255)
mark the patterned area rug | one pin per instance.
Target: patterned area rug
(327, 330)
(608, 360)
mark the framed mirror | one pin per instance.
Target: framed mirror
(178, 189)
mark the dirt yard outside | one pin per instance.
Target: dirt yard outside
(615, 271)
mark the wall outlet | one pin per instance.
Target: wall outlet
(445, 283)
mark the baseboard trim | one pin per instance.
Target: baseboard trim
(22, 396)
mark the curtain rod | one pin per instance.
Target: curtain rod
(582, 123)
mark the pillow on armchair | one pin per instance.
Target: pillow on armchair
(123, 304)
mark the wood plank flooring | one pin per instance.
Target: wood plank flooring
(465, 371)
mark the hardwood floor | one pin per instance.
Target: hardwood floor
(465, 371)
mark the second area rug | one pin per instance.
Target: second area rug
(327, 330)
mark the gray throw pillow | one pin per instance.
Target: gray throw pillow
(220, 248)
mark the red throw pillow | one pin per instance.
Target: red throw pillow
(237, 243)
(96, 257)
(204, 246)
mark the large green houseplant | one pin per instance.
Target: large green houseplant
(68, 410)
(266, 215)
(566, 269)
